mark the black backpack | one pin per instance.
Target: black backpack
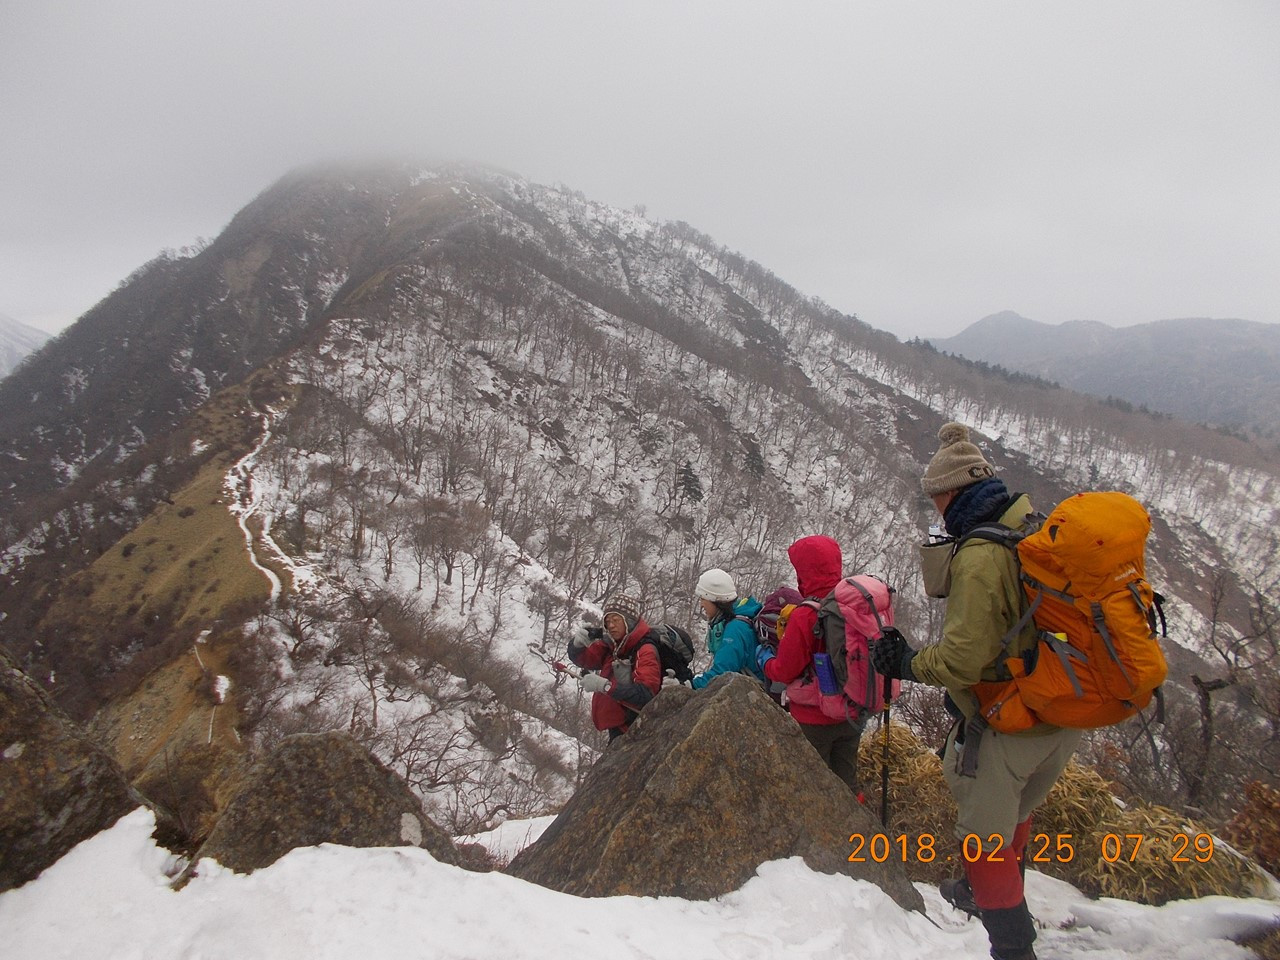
(675, 650)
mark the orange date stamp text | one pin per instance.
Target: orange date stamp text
(1041, 848)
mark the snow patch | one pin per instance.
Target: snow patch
(110, 897)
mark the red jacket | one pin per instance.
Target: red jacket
(607, 709)
(819, 567)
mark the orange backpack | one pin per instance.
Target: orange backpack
(1097, 659)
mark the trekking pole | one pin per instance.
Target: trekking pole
(559, 668)
(884, 759)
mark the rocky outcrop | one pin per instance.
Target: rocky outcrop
(57, 787)
(177, 741)
(320, 788)
(703, 789)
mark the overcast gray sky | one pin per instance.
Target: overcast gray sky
(919, 164)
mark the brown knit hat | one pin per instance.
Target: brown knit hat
(957, 463)
(626, 607)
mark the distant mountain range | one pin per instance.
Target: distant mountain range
(1218, 372)
(17, 341)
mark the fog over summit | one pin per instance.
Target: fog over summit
(917, 166)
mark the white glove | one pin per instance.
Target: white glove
(670, 680)
(594, 683)
(580, 639)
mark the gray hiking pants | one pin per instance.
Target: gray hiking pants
(1015, 774)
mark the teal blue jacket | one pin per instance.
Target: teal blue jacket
(732, 643)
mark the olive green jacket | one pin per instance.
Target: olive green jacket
(984, 604)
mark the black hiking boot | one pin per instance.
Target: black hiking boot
(958, 893)
(1011, 932)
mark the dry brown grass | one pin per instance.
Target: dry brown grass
(1255, 830)
(920, 803)
(186, 563)
(1080, 834)
(1153, 855)
(1267, 947)
(176, 743)
(188, 558)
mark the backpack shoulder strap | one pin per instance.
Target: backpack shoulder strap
(814, 604)
(675, 662)
(992, 533)
(753, 630)
(996, 532)
(870, 600)
(1008, 537)
(650, 639)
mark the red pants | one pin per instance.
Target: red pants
(996, 878)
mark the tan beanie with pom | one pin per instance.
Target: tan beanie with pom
(957, 463)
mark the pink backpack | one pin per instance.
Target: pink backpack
(855, 613)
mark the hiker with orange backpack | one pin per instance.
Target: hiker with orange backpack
(818, 564)
(997, 778)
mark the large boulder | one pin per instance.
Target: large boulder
(320, 788)
(703, 789)
(57, 787)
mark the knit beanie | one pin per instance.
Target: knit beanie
(627, 607)
(717, 586)
(957, 463)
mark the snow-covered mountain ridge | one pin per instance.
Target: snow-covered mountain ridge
(500, 402)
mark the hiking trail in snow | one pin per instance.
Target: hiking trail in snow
(245, 500)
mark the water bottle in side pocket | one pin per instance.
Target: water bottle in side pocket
(826, 674)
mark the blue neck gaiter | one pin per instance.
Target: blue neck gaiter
(977, 503)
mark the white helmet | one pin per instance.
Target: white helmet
(717, 586)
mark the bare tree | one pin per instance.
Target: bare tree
(1242, 653)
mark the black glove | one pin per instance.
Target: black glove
(891, 656)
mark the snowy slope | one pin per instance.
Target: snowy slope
(484, 385)
(17, 341)
(109, 899)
